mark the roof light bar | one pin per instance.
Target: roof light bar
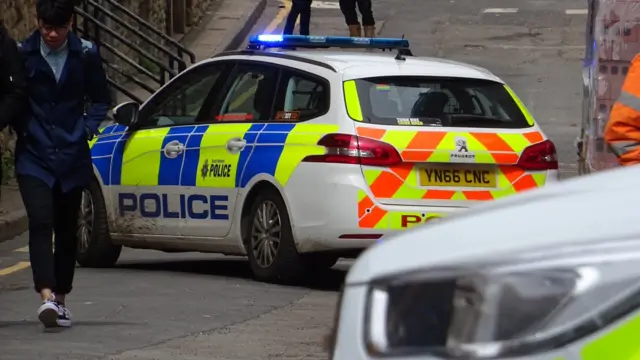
(264, 41)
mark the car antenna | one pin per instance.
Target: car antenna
(400, 55)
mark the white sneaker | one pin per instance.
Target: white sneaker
(48, 313)
(64, 316)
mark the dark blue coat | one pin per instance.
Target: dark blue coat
(53, 139)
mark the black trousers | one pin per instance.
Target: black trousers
(300, 8)
(348, 8)
(51, 211)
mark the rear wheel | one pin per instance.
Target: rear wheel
(95, 248)
(269, 242)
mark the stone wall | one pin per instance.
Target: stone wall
(196, 9)
(157, 13)
(19, 17)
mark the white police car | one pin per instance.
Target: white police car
(296, 158)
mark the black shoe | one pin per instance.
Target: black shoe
(64, 316)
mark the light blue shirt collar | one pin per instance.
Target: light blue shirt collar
(46, 50)
(55, 58)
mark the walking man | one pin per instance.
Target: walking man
(300, 8)
(53, 160)
(348, 8)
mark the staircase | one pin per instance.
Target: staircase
(137, 57)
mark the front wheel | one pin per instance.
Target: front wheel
(268, 238)
(95, 248)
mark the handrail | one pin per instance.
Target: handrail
(142, 35)
(131, 63)
(95, 18)
(131, 77)
(125, 91)
(126, 41)
(112, 82)
(141, 21)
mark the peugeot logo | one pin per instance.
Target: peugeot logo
(461, 145)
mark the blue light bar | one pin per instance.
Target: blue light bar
(317, 42)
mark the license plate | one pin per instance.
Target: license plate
(458, 175)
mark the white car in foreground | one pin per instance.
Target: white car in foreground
(552, 274)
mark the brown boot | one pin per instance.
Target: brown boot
(355, 31)
(370, 31)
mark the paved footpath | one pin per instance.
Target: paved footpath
(167, 306)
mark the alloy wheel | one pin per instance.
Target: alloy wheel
(85, 221)
(266, 234)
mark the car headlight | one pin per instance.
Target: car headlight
(515, 305)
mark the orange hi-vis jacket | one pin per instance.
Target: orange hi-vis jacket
(622, 133)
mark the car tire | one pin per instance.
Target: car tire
(287, 266)
(95, 248)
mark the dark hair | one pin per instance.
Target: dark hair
(56, 13)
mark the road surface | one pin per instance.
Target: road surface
(191, 306)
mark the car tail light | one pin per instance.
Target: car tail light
(351, 149)
(540, 156)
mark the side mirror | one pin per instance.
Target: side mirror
(126, 113)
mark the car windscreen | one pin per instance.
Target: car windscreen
(435, 101)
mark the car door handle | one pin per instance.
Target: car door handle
(236, 144)
(173, 149)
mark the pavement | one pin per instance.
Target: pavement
(193, 306)
(13, 217)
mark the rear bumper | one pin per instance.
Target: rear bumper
(331, 208)
(340, 234)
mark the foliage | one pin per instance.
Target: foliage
(7, 164)
(7, 143)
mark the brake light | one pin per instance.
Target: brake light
(351, 149)
(540, 156)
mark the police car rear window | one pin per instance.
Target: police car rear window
(439, 102)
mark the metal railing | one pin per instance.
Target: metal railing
(145, 56)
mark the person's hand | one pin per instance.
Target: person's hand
(89, 134)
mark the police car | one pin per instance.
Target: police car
(296, 158)
(547, 275)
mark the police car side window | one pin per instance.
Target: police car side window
(301, 97)
(250, 94)
(181, 102)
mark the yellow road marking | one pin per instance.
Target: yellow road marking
(14, 268)
(25, 249)
(279, 18)
(21, 265)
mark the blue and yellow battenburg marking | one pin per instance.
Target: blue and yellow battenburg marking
(136, 158)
